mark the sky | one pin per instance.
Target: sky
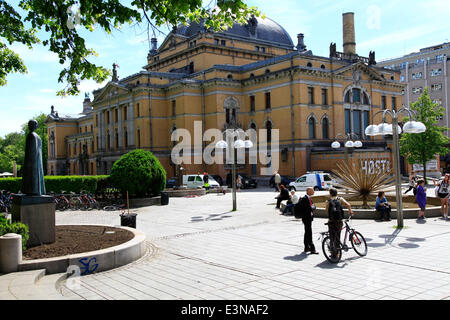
(390, 28)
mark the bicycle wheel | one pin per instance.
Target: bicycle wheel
(110, 208)
(328, 251)
(358, 243)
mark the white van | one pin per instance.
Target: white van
(316, 180)
(196, 180)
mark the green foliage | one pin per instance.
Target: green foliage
(11, 149)
(422, 147)
(139, 172)
(16, 227)
(56, 21)
(58, 184)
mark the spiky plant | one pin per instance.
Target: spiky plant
(358, 182)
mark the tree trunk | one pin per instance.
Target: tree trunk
(425, 172)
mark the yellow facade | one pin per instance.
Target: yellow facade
(193, 78)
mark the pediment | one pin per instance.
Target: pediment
(171, 40)
(111, 89)
(357, 70)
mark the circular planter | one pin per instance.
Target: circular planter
(93, 261)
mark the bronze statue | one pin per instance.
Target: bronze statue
(372, 58)
(33, 172)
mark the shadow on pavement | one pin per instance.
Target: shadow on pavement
(298, 257)
(408, 245)
(211, 217)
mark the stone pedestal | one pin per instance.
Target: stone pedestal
(10, 252)
(38, 212)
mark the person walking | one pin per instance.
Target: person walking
(383, 207)
(293, 201)
(277, 181)
(412, 183)
(335, 217)
(284, 195)
(442, 193)
(421, 198)
(307, 207)
(206, 180)
(239, 183)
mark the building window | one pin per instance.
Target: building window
(96, 120)
(108, 141)
(174, 108)
(324, 97)
(125, 109)
(116, 115)
(357, 127)
(309, 65)
(116, 140)
(252, 103)
(263, 50)
(92, 128)
(383, 102)
(322, 66)
(98, 144)
(325, 126)
(257, 48)
(356, 95)
(230, 76)
(269, 131)
(417, 90)
(436, 87)
(312, 128)
(416, 75)
(125, 137)
(347, 97)
(348, 127)
(310, 95)
(365, 99)
(366, 118)
(138, 134)
(138, 110)
(216, 41)
(394, 103)
(268, 105)
(402, 78)
(223, 43)
(436, 72)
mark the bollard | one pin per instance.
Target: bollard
(10, 252)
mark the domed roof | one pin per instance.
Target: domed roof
(256, 29)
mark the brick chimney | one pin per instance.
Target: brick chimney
(348, 27)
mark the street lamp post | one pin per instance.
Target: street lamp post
(394, 129)
(238, 144)
(348, 144)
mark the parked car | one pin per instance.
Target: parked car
(316, 180)
(196, 180)
(217, 178)
(247, 181)
(171, 182)
(285, 180)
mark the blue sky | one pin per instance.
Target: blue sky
(391, 28)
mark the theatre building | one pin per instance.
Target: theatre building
(250, 76)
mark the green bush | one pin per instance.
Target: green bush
(61, 183)
(139, 172)
(16, 227)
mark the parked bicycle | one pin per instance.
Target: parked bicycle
(356, 239)
(5, 201)
(61, 202)
(115, 207)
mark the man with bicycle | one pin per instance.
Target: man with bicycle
(335, 217)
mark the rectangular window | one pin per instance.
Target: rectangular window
(174, 108)
(257, 48)
(436, 72)
(357, 128)
(436, 87)
(223, 42)
(268, 105)
(348, 127)
(216, 41)
(138, 110)
(366, 118)
(383, 102)
(356, 95)
(394, 103)
(310, 95)
(116, 115)
(125, 110)
(138, 133)
(324, 97)
(96, 120)
(252, 103)
(263, 49)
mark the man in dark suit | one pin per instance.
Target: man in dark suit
(308, 208)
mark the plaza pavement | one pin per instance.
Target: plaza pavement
(198, 249)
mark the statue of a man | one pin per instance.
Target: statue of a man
(33, 172)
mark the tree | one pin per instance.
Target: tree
(11, 149)
(60, 19)
(139, 172)
(423, 147)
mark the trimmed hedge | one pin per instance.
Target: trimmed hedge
(139, 172)
(61, 183)
(7, 226)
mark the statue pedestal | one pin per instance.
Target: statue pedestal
(38, 212)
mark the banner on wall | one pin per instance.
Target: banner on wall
(431, 165)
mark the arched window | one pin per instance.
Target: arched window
(356, 95)
(325, 126)
(312, 128)
(230, 76)
(322, 66)
(347, 97)
(309, 64)
(365, 98)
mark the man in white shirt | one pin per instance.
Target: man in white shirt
(294, 200)
(277, 181)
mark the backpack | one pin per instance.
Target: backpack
(335, 211)
(299, 208)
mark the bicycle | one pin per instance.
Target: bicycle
(115, 207)
(357, 240)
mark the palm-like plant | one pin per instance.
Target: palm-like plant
(359, 182)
